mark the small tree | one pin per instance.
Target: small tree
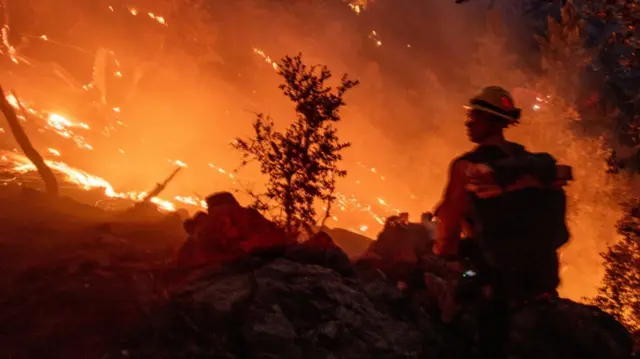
(620, 290)
(301, 162)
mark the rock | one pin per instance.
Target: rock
(276, 305)
(224, 295)
(322, 251)
(352, 243)
(372, 266)
(281, 300)
(283, 309)
(402, 254)
(560, 328)
(398, 249)
(270, 334)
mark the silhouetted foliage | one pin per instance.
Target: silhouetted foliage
(301, 162)
(563, 50)
(622, 16)
(492, 61)
(620, 290)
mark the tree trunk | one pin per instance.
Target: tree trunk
(50, 181)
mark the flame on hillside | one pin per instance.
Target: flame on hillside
(84, 180)
(76, 131)
(70, 129)
(374, 190)
(63, 127)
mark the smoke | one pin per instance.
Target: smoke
(202, 84)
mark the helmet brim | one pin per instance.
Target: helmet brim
(479, 107)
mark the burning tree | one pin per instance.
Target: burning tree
(618, 294)
(302, 162)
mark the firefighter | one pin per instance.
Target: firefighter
(511, 205)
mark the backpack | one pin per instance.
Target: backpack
(515, 226)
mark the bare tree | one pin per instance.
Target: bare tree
(50, 181)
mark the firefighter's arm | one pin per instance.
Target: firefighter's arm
(452, 211)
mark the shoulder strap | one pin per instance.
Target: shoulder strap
(518, 149)
(488, 153)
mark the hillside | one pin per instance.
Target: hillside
(83, 283)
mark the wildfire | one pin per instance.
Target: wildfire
(54, 152)
(11, 51)
(53, 121)
(63, 126)
(83, 179)
(68, 128)
(87, 181)
(192, 201)
(178, 163)
(157, 18)
(358, 6)
(134, 12)
(539, 102)
(375, 37)
(266, 58)
(13, 101)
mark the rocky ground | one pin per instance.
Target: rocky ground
(82, 283)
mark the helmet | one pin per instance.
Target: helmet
(496, 101)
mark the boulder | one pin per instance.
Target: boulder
(352, 243)
(283, 309)
(68, 295)
(282, 306)
(560, 328)
(397, 252)
(402, 242)
(321, 250)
